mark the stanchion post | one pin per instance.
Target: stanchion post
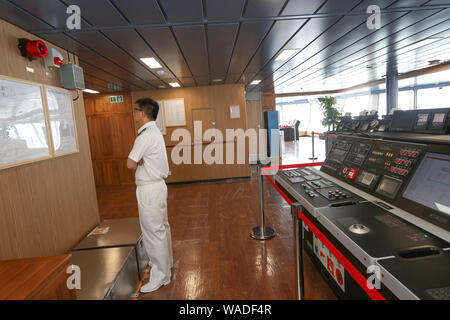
(298, 238)
(313, 156)
(261, 232)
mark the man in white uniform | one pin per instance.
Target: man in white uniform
(149, 159)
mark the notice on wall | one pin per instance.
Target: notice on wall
(23, 131)
(62, 121)
(174, 112)
(160, 118)
(235, 112)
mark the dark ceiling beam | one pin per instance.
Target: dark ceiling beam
(242, 76)
(293, 56)
(164, 14)
(361, 64)
(242, 19)
(236, 36)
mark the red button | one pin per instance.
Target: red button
(339, 277)
(330, 265)
(352, 174)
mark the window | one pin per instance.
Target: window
(406, 100)
(303, 108)
(433, 98)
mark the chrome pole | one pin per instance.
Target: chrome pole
(298, 246)
(313, 156)
(261, 232)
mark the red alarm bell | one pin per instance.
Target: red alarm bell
(32, 49)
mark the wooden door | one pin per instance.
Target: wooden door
(253, 114)
(208, 118)
(111, 136)
(254, 121)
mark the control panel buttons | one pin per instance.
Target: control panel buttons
(410, 153)
(333, 194)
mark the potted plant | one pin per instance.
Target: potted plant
(331, 114)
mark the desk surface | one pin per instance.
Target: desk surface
(25, 278)
(122, 232)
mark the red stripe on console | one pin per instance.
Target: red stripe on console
(292, 166)
(354, 273)
(359, 278)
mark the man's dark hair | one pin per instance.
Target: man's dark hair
(149, 106)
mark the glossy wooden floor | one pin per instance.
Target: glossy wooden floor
(214, 255)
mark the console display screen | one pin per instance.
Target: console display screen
(339, 150)
(422, 120)
(430, 185)
(389, 187)
(438, 118)
(358, 153)
(338, 155)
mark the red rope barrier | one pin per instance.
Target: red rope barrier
(325, 134)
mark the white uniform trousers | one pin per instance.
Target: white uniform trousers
(152, 204)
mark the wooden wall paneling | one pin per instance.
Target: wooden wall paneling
(268, 101)
(48, 206)
(219, 97)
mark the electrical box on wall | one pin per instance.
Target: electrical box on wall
(54, 58)
(72, 77)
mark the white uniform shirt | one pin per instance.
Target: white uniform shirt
(150, 146)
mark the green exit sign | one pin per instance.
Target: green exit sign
(116, 99)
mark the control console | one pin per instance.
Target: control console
(373, 165)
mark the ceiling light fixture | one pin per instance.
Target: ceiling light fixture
(255, 82)
(286, 54)
(217, 80)
(433, 62)
(151, 62)
(174, 84)
(90, 91)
